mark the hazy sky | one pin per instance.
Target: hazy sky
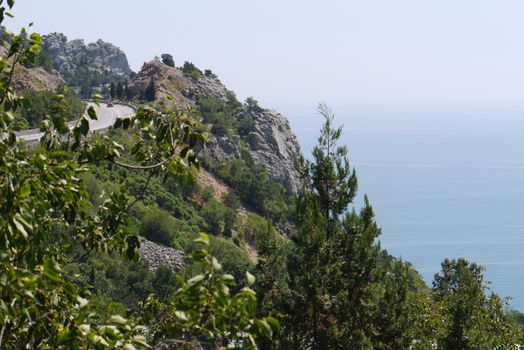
(378, 53)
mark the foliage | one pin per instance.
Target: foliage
(39, 306)
(331, 271)
(158, 226)
(190, 70)
(474, 318)
(167, 59)
(253, 105)
(33, 112)
(222, 115)
(204, 311)
(150, 91)
(42, 60)
(209, 74)
(251, 183)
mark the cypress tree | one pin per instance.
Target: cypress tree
(150, 92)
(112, 91)
(119, 90)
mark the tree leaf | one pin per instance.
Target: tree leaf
(250, 279)
(91, 113)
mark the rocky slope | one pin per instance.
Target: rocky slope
(269, 141)
(158, 255)
(37, 79)
(69, 56)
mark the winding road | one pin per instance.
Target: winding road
(106, 118)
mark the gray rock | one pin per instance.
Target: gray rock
(272, 144)
(158, 255)
(100, 56)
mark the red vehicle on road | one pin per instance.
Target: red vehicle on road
(109, 104)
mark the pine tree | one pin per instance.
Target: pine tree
(334, 291)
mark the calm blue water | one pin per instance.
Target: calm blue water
(443, 184)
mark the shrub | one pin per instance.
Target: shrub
(213, 214)
(233, 259)
(158, 226)
(190, 70)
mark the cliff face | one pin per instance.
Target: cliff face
(269, 141)
(68, 56)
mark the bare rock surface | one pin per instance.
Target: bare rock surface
(36, 79)
(158, 255)
(69, 55)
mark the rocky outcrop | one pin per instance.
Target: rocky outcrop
(173, 83)
(158, 255)
(270, 141)
(102, 57)
(37, 79)
(169, 82)
(272, 144)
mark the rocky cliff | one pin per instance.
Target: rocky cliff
(268, 140)
(69, 56)
(37, 78)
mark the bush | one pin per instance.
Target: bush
(190, 70)
(209, 74)
(158, 226)
(233, 259)
(213, 214)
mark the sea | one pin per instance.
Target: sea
(445, 183)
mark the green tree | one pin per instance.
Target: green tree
(119, 91)
(190, 70)
(40, 307)
(253, 105)
(213, 214)
(112, 90)
(168, 60)
(333, 272)
(474, 317)
(150, 92)
(225, 319)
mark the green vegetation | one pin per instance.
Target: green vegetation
(73, 208)
(221, 114)
(50, 223)
(350, 294)
(168, 60)
(192, 71)
(251, 183)
(150, 92)
(32, 113)
(42, 60)
(209, 74)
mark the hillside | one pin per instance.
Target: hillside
(32, 78)
(102, 240)
(264, 134)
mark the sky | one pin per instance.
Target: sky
(370, 54)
